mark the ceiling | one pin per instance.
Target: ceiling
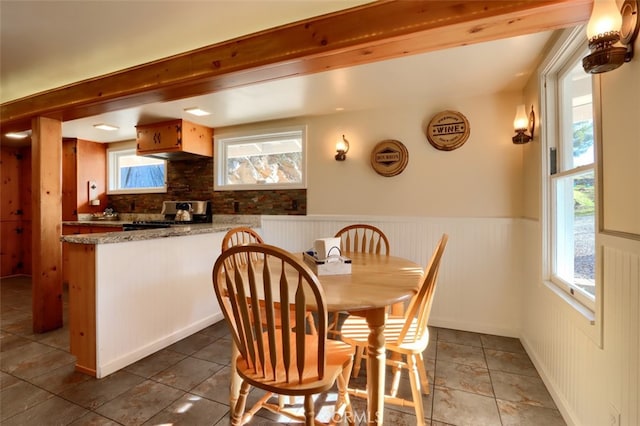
(51, 43)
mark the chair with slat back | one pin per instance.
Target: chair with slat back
(363, 238)
(285, 360)
(239, 236)
(405, 336)
(243, 235)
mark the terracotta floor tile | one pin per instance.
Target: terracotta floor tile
(140, 403)
(519, 388)
(191, 410)
(464, 408)
(53, 411)
(518, 414)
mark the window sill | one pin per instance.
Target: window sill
(583, 318)
(585, 312)
(137, 191)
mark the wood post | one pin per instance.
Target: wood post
(46, 248)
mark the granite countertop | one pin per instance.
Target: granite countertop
(148, 234)
(110, 223)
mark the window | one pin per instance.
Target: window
(571, 194)
(270, 159)
(130, 173)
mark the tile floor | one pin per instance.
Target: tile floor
(479, 380)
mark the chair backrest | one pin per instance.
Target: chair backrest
(240, 236)
(363, 238)
(417, 314)
(251, 293)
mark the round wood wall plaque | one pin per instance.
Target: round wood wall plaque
(448, 130)
(389, 158)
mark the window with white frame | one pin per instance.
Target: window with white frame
(128, 173)
(571, 178)
(271, 159)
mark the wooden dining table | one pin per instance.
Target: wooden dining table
(375, 283)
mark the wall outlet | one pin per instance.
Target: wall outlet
(614, 416)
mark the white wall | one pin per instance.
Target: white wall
(482, 178)
(593, 371)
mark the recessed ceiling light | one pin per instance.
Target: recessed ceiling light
(18, 135)
(196, 111)
(339, 109)
(107, 127)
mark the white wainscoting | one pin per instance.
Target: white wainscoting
(589, 383)
(480, 276)
(150, 294)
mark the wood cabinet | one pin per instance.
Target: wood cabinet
(15, 210)
(82, 162)
(175, 139)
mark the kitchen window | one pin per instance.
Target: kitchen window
(570, 105)
(129, 173)
(271, 159)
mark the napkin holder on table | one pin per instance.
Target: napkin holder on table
(333, 265)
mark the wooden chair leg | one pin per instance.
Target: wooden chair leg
(357, 362)
(343, 404)
(414, 379)
(312, 324)
(238, 410)
(424, 379)
(395, 382)
(309, 414)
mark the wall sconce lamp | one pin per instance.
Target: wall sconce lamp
(342, 147)
(522, 123)
(611, 33)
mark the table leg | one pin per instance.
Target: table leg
(375, 366)
(235, 381)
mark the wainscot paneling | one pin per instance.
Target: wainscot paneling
(480, 276)
(593, 384)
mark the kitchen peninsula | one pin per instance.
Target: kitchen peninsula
(133, 293)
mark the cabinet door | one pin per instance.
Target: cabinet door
(164, 137)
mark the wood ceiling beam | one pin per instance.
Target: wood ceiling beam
(372, 32)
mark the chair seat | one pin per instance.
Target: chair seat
(339, 355)
(355, 332)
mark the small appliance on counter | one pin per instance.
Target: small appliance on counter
(176, 213)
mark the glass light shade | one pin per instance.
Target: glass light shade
(521, 122)
(341, 144)
(605, 17)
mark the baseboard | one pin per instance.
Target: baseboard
(474, 327)
(152, 347)
(559, 400)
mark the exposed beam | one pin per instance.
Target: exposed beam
(372, 32)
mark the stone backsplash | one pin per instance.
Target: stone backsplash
(193, 180)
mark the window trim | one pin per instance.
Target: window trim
(127, 149)
(589, 320)
(221, 141)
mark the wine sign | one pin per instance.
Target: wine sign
(448, 130)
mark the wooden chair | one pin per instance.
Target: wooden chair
(243, 235)
(406, 336)
(286, 360)
(363, 238)
(239, 236)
